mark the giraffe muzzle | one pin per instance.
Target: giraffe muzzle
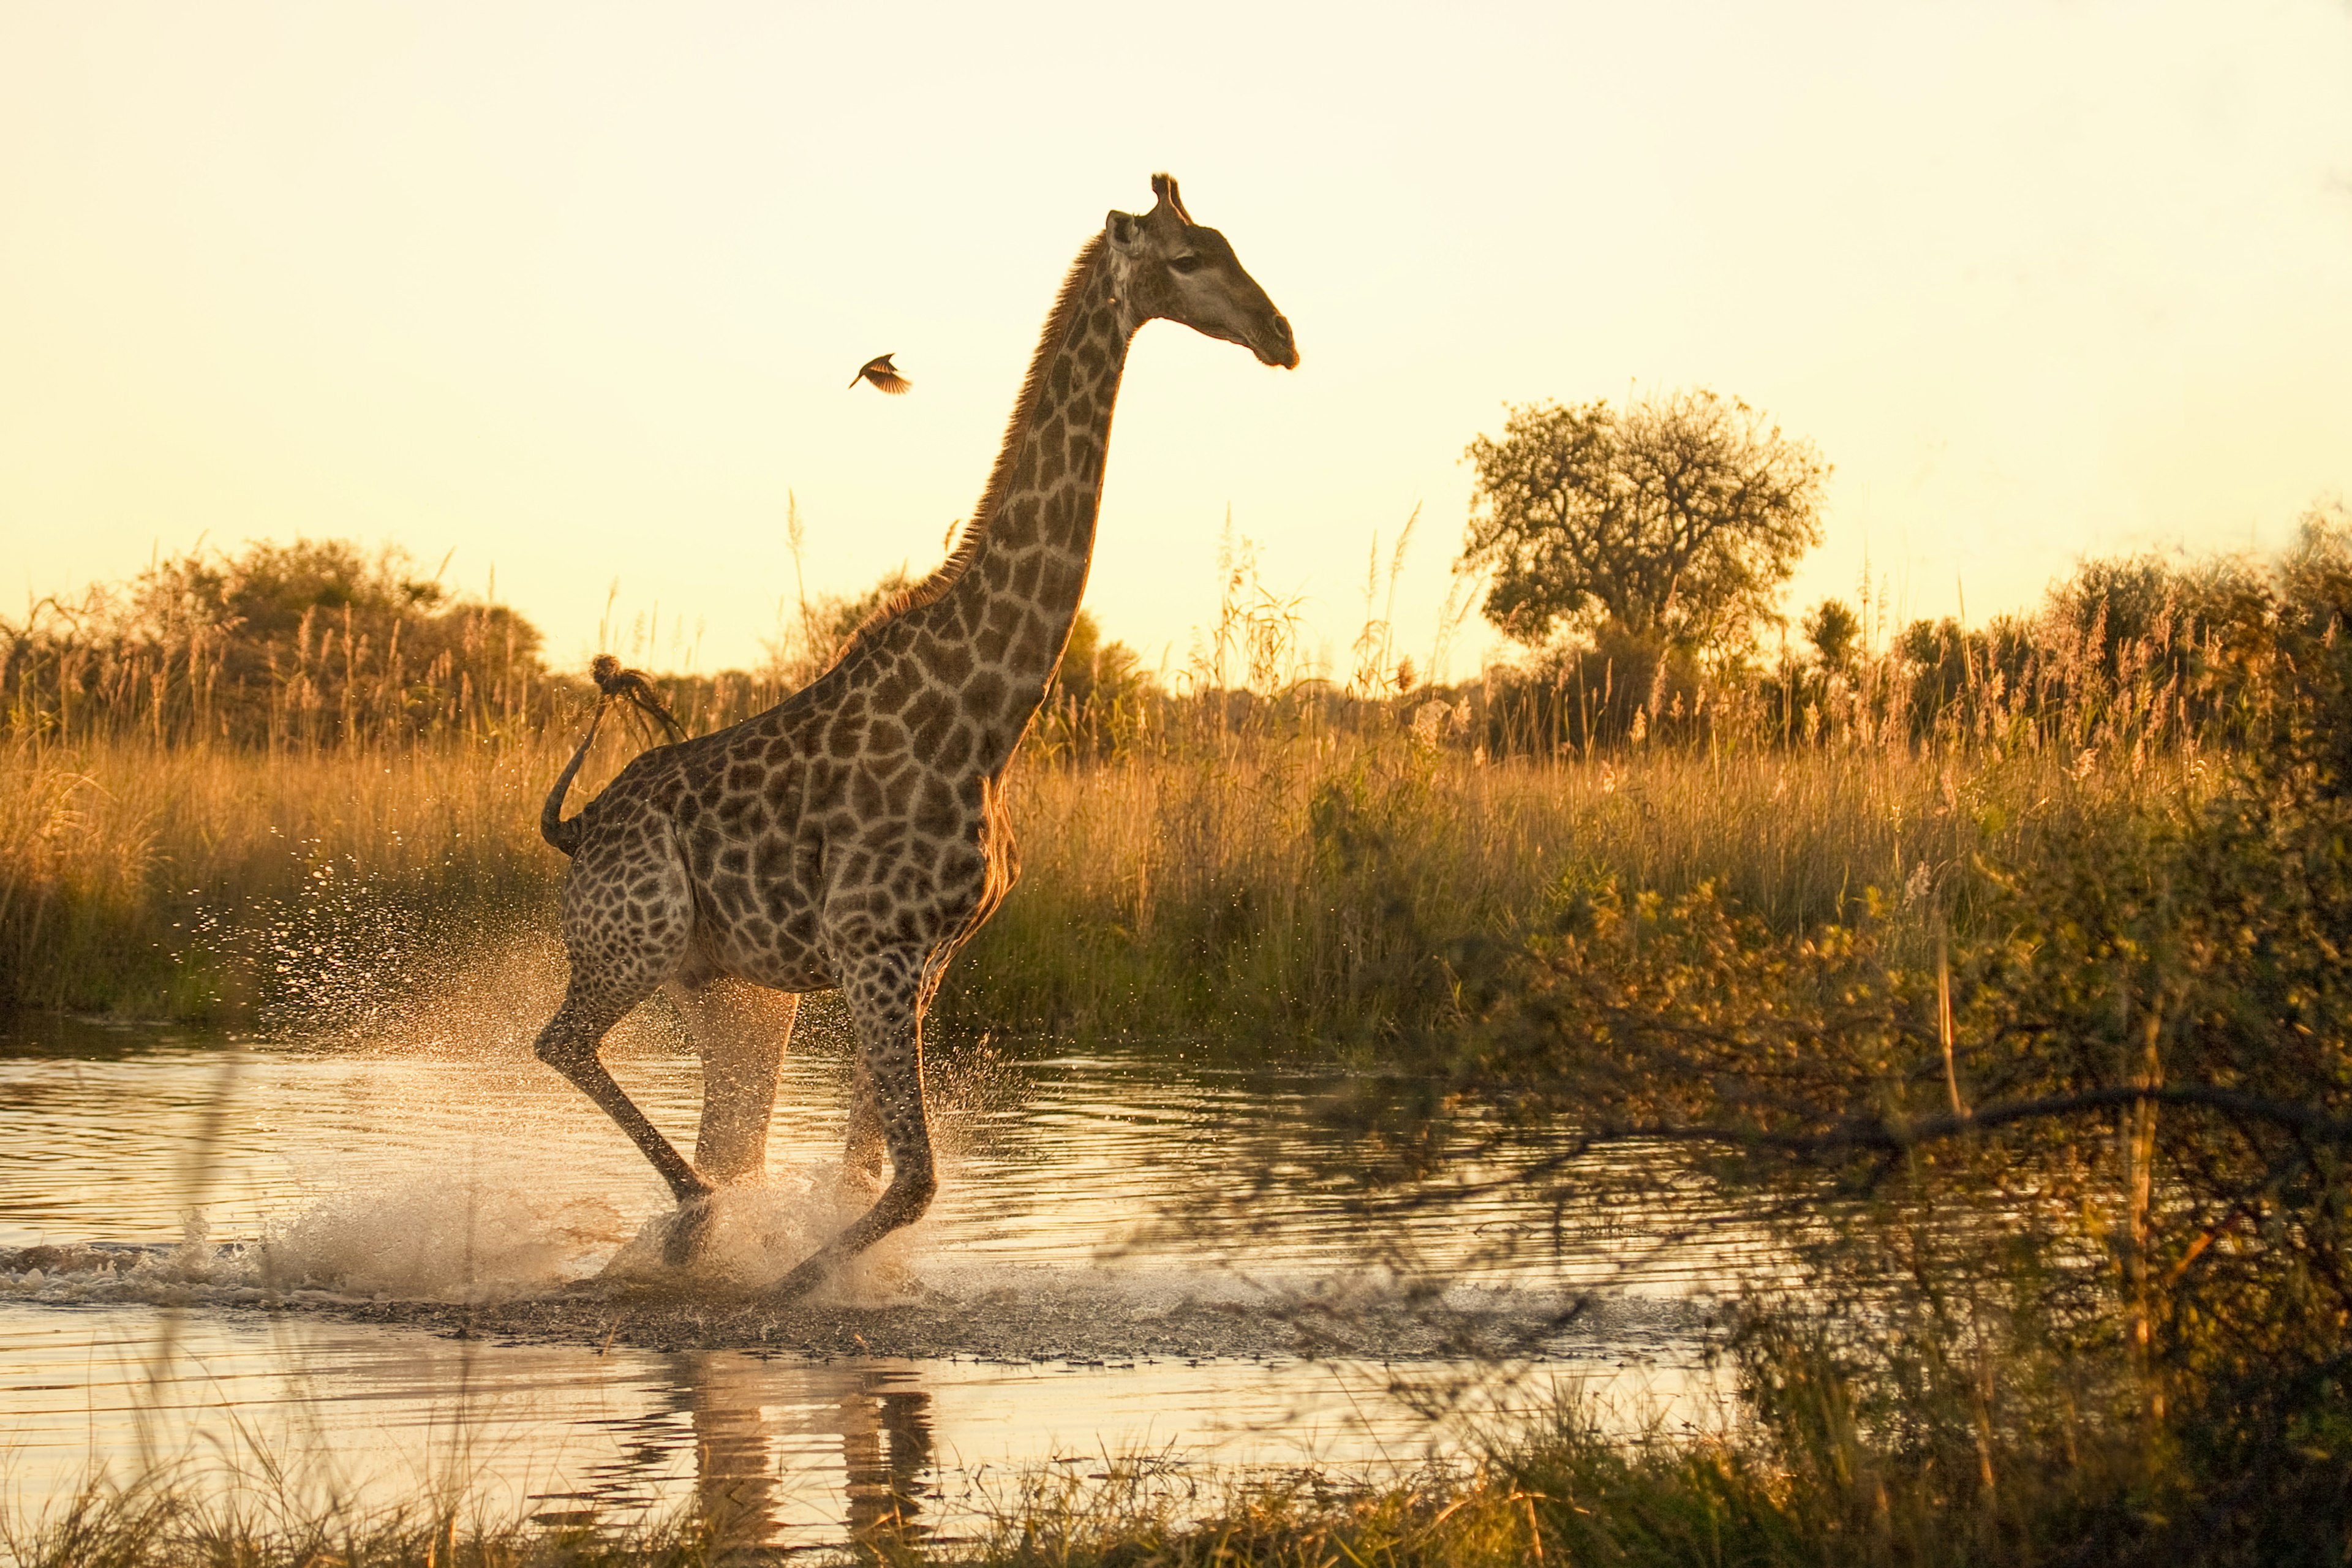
(1275, 345)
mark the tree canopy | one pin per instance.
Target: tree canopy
(1836, 631)
(315, 641)
(1673, 519)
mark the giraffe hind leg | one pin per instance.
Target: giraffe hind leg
(569, 1044)
(628, 923)
(884, 993)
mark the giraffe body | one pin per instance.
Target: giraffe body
(855, 835)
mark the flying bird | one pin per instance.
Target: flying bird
(882, 374)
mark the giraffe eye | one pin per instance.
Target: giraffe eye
(1184, 264)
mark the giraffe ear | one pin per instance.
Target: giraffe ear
(1120, 227)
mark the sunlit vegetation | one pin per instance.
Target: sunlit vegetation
(2002, 968)
(1248, 845)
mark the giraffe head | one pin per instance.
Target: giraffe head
(1165, 266)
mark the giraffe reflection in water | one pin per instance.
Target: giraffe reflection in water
(764, 1461)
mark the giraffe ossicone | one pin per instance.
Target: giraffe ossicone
(855, 835)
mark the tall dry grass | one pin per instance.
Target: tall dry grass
(158, 881)
(1260, 851)
(1326, 885)
(1308, 882)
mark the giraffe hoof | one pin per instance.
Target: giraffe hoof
(811, 1274)
(689, 1229)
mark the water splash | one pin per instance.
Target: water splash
(442, 1239)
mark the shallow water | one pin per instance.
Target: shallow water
(216, 1211)
(810, 1451)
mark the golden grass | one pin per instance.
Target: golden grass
(1313, 882)
(1324, 885)
(129, 874)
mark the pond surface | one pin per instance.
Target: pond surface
(419, 1259)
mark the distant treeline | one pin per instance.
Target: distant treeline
(299, 646)
(320, 644)
(2142, 649)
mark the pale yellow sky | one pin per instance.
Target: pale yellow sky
(575, 289)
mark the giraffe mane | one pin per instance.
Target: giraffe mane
(1000, 479)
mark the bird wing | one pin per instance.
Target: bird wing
(889, 381)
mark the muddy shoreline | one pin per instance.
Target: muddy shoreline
(1079, 1317)
(1080, 1333)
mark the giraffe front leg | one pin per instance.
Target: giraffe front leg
(884, 992)
(864, 1157)
(741, 1033)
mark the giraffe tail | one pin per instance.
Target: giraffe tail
(552, 826)
(632, 687)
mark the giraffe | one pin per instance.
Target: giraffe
(855, 835)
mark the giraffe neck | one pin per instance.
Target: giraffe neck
(1013, 605)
